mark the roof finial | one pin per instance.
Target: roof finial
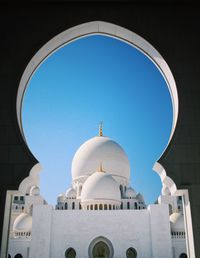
(100, 128)
(101, 167)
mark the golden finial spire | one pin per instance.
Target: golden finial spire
(101, 167)
(100, 128)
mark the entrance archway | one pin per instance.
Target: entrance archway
(101, 249)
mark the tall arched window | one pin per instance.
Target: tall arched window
(9, 256)
(136, 205)
(100, 207)
(18, 256)
(66, 206)
(128, 205)
(183, 255)
(70, 253)
(131, 253)
(96, 207)
(73, 206)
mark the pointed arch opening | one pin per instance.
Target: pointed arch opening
(131, 253)
(101, 247)
(70, 253)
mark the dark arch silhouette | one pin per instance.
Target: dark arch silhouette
(9, 256)
(131, 253)
(183, 255)
(70, 253)
(18, 256)
(101, 249)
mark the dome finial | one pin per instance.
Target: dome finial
(101, 167)
(100, 128)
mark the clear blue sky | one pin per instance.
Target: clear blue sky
(97, 78)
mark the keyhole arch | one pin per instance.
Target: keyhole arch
(107, 29)
(104, 28)
(98, 28)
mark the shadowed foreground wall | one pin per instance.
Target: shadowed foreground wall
(172, 29)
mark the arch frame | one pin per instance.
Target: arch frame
(167, 181)
(98, 28)
(131, 38)
(100, 239)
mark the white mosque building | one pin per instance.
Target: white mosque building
(100, 215)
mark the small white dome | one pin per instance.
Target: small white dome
(70, 193)
(34, 191)
(100, 149)
(100, 186)
(130, 193)
(165, 190)
(140, 197)
(61, 197)
(177, 221)
(23, 223)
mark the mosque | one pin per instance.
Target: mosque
(100, 215)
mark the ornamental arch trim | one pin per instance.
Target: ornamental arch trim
(110, 30)
(101, 28)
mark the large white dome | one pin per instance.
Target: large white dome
(100, 186)
(100, 149)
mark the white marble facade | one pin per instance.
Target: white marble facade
(100, 215)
